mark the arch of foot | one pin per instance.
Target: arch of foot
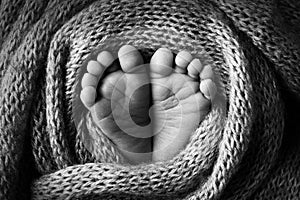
(216, 147)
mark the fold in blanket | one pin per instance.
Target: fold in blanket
(250, 151)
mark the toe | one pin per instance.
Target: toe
(105, 58)
(88, 96)
(95, 68)
(130, 58)
(207, 73)
(208, 88)
(194, 68)
(161, 63)
(182, 60)
(89, 80)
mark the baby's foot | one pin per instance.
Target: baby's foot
(181, 99)
(119, 105)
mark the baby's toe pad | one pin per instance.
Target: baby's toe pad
(208, 88)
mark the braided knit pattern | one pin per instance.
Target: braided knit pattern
(238, 150)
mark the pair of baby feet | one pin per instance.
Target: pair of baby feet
(149, 111)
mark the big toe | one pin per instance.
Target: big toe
(161, 63)
(130, 58)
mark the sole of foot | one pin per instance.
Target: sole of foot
(119, 101)
(182, 95)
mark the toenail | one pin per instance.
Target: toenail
(126, 50)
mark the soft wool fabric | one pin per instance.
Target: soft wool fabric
(251, 151)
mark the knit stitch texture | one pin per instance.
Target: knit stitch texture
(249, 151)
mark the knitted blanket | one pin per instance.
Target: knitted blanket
(249, 151)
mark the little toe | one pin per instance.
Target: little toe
(161, 63)
(130, 58)
(208, 88)
(88, 96)
(182, 60)
(194, 68)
